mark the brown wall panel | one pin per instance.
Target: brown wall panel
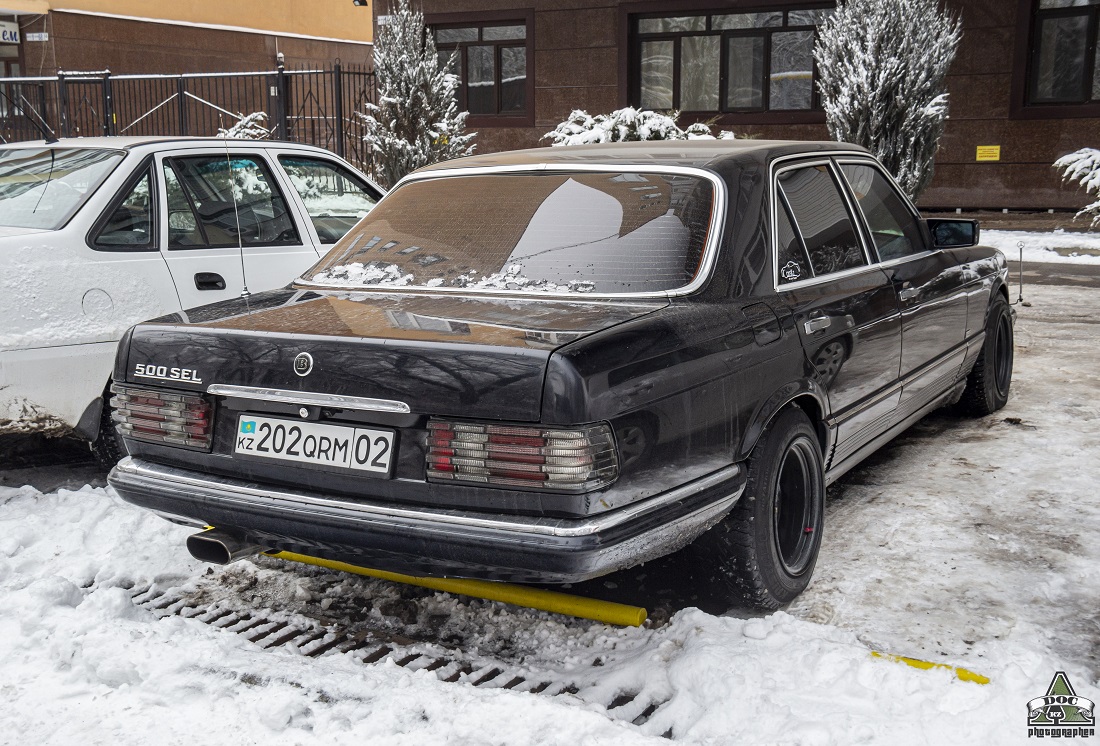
(1016, 186)
(82, 42)
(576, 29)
(593, 68)
(977, 97)
(987, 50)
(552, 105)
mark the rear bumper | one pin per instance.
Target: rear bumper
(424, 541)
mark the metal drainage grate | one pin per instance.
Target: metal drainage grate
(368, 648)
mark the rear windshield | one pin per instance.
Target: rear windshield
(535, 232)
(44, 187)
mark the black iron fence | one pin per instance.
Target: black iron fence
(314, 106)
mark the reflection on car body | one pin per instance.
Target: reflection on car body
(603, 362)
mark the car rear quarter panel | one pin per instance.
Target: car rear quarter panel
(691, 380)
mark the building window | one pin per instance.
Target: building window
(492, 62)
(1065, 62)
(727, 62)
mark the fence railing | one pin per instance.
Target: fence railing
(314, 106)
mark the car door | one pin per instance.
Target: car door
(845, 308)
(227, 226)
(928, 284)
(333, 196)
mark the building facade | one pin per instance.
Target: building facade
(1024, 87)
(147, 36)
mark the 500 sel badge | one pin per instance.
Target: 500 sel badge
(164, 373)
(313, 443)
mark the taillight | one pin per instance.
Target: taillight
(576, 459)
(162, 416)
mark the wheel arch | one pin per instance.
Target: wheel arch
(804, 394)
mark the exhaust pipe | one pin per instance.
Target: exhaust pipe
(218, 547)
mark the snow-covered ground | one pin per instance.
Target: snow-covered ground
(967, 542)
(1056, 246)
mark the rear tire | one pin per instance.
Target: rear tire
(108, 447)
(765, 550)
(989, 380)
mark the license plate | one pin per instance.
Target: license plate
(313, 443)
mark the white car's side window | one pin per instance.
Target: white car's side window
(129, 224)
(334, 198)
(221, 201)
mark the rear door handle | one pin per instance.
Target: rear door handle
(908, 294)
(209, 281)
(817, 323)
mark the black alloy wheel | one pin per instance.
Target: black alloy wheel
(989, 381)
(765, 550)
(796, 516)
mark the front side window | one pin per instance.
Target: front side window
(892, 225)
(821, 221)
(44, 187)
(1065, 58)
(218, 201)
(129, 224)
(335, 199)
(491, 63)
(605, 232)
(727, 62)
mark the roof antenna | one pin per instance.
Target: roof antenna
(237, 216)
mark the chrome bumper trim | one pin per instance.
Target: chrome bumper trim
(309, 398)
(131, 472)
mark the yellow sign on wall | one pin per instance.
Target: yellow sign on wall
(988, 153)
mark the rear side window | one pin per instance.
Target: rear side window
(892, 225)
(605, 232)
(128, 225)
(214, 201)
(335, 199)
(821, 219)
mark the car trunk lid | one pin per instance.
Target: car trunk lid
(450, 356)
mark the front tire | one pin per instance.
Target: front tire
(989, 380)
(766, 548)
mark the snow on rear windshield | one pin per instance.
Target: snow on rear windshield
(541, 232)
(43, 187)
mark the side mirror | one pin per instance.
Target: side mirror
(953, 234)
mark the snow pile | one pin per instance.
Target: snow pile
(1042, 246)
(356, 275)
(89, 662)
(381, 274)
(626, 125)
(1083, 166)
(80, 661)
(513, 278)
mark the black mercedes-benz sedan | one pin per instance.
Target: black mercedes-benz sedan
(552, 364)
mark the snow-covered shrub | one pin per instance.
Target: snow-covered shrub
(627, 125)
(248, 127)
(416, 121)
(882, 66)
(1083, 166)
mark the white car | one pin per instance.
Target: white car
(97, 234)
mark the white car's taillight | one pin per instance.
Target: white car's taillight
(162, 417)
(576, 459)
